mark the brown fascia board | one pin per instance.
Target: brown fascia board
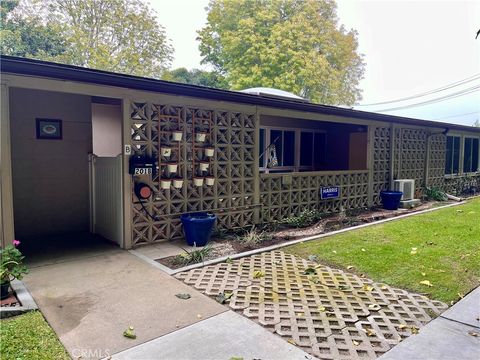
(31, 67)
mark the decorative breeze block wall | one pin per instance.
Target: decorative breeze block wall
(232, 134)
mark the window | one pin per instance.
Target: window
(296, 149)
(452, 153)
(470, 155)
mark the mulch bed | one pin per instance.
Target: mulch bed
(10, 301)
(229, 245)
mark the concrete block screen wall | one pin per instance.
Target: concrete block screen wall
(240, 195)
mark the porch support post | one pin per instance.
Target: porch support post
(392, 156)
(256, 166)
(427, 160)
(370, 163)
(7, 232)
(127, 179)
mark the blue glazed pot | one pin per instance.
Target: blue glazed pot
(391, 199)
(198, 227)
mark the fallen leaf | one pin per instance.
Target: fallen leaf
(374, 307)
(426, 282)
(414, 249)
(452, 302)
(258, 274)
(199, 316)
(473, 333)
(334, 251)
(322, 308)
(402, 326)
(356, 343)
(130, 333)
(236, 358)
(313, 278)
(229, 260)
(384, 287)
(291, 341)
(222, 298)
(183, 296)
(350, 267)
(309, 271)
(460, 295)
(423, 274)
(413, 252)
(300, 314)
(370, 332)
(459, 211)
(344, 287)
(313, 258)
(414, 330)
(367, 287)
(363, 249)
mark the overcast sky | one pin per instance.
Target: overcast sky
(410, 47)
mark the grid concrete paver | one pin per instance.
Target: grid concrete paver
(330, 313)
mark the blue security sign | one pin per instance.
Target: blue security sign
(330, 192)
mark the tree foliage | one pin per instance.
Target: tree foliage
(115, 35)
(27, 37)
(293, 45)
(197, 77)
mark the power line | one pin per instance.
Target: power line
(432, 101)
(458, 115)
(446, 87)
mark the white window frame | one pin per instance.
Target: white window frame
(296, 167)
(462, 155)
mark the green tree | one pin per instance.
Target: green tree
(293, 45)
(196, 77)
(115, 35)
(27, 37)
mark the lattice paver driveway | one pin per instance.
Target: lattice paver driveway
(327, 312)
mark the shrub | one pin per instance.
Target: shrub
(254, 237)
(304, 219)
(194, 256)
(434, 193)
(11, 263)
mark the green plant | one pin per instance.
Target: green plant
(11, 266)
(306, 218)
(194, 256)
(254, 237)
(434, 193)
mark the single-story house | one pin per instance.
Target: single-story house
(124, 156)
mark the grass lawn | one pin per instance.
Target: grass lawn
(29, 336)
(447, 253)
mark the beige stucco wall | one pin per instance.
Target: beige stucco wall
(107, 129)
(50, 177)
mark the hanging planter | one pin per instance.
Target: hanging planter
(209, 151)
(200, 136)
(177, 135)
(166, 151)
(165, 183)
(210, 180)
(198, 181)
(172, 167)
(204, 165)
(177, 183)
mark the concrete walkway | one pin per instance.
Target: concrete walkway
(451, 336)
(220, 337)
(89, 301)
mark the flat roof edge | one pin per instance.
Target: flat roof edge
(31, 67)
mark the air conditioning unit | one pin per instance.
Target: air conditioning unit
(407, 186)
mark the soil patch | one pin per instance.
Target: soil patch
(230, 243)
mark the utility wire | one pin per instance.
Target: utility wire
(446, 87)
(458, 115)
(432, 101)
